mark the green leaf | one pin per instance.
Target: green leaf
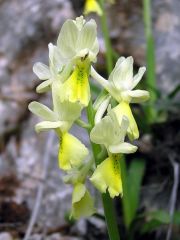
(154, 220)
(158, 218)
(151, 226)
(135, 176)
(174, 92)
(176, 219)
(132, 180)
(160, 215)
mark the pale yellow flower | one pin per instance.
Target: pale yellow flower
(92, 6)
(107, 176)
(82, 202)
(120, 86)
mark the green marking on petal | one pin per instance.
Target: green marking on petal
(76, 88)
(71, 152)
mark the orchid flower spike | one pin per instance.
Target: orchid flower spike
(120, 85)
(77, 43)
(92, 6)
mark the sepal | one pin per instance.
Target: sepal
(138, 76)
(122, 75)
(44, 86)
(138, 96)
(42, 71)
(124, 147)
(42, 111)
(101, 110)
(48, 125)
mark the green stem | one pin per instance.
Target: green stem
(82, 124)
(105, 31)
(150, 58)
(109, 210)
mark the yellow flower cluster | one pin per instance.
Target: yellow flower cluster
(67, 77)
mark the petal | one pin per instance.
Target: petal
(47, 125)
(102, 81)
(76, 88)
(92, 6)
(123, 74)
(123, 109)
(138, 76)
(82, 202)
(42, 71)
(107, 176)
(67, 39)
(95, 47)
(55, 58)
(87, 35)
(101, 110)
(42, 111)
(71, 152)
(44, 86)
(138, 96)
(123, 128)
(123, 148)
(118, 63)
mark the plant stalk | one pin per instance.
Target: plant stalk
(150, 59)
(105, 31)
(109, 210)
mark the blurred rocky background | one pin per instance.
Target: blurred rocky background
(28, 162)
